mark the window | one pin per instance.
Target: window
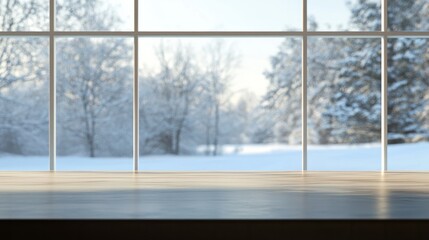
(344, 15)
(408, 105)
(219, 15)
(24, 15)
(344, 103)
(108, 15)
(213, 85)
(94, 103)
(24, 98)
(201, 102)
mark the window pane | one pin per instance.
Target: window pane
(94, 103)
(408, 15)
(344, 104)
(219, 15)
(24, 98)
(344, 15)
(220, 104)
(95, 15)
(408, 106)
(24, 15)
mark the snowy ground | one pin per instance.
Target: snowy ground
(271, 157)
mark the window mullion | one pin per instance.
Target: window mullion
(136, 90)
(384, 82)
(52, 88)
(304, 86)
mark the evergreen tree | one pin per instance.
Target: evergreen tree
(407, 81)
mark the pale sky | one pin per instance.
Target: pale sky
(254, 57)
(230, 15)
(224, 15)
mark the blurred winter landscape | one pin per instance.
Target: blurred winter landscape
(213, 103)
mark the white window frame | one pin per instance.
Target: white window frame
(383, 35)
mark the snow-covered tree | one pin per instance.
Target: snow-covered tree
(24, 15)
(84, 15)
(282, 102)
(168, 101)
(344, 79)
(94, 86)
(23, 79)
(220, 61)
(353, 113)
(407, 78)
